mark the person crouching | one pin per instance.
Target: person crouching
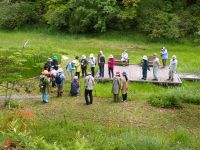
(75, 87)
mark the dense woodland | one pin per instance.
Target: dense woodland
(156, 18)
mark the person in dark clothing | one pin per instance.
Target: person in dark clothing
(47, 65)
(75, 87)
(145, 67)
(84, 64)
(101, 64)
(54, 63)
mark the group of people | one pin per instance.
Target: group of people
(53, 75)
(156, 65)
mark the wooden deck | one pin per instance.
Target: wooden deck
(189, 77)
(135, 74)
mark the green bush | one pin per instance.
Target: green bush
(80, 16)
(165, 101)
(16, 15)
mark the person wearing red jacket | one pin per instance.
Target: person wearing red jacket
(111, 64)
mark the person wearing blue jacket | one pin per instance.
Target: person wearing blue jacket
(70, 68)
(164, 55)
(59, 80)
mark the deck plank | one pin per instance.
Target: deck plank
(135, 74)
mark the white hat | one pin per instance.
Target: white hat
(100, 52)
(83, 57)
(75, 77)
(174, 56)
(91, 55)
(111, 56)
(154, 54)
(60, 70)
(73, 61)
(88, 73)
(163, 48)
(145, 57)
(49, 59)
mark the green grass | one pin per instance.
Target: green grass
(105, 125)
(112, 42)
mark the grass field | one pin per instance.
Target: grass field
(67, 122)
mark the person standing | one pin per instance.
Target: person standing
(111, 64)
(124, 86)
(59, 79)
(164, 55)
(145, 67)
(77, 67)
(70, 67)
(44, 86)
(172, 67)
(101, 64)
(116, 85)
(75, 87)
(89, 84)
(84, 64)
(92, 62)
(156, 66)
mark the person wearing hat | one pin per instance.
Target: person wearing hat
(156, 66)
(47, 65)
(101, 62)
(124, 57)
(59, 80)
(70, 67)
(172, 67)
(89, 84)
(77, 67)
(98, 59)
(75, 87)
(111, 64)
(92, 63)
(116, 86)
(84, 64)
(54, 63)
(52, 75)
(124, 86)
(145, 67)
(44, 86)
(164, 55)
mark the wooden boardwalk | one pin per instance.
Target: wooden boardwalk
(135, 74)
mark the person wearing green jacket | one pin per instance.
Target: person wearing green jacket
(77, 67)
(44, 86)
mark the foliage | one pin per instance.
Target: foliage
(12, 104)
(78, 16)
(16, 15)
(165, 101)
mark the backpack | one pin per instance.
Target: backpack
(42, 84)
(58, 79)
(102, 59)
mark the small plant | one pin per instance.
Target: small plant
(12, 104)
(165, 101)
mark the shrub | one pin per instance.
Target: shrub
(16, 15)
(12, 104)
(80, 16)
(165, 101)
